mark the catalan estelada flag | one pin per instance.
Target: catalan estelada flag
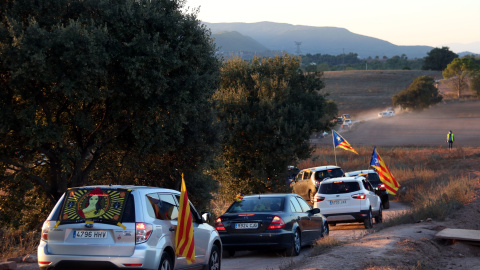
(339, 141)
(185, 245)
(385, 175)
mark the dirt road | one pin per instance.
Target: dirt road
(426, 128)
(274, 260)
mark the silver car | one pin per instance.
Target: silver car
(112, 227)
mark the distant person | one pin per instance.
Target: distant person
(450, 139)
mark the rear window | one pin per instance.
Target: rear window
(258, 204)
(339, 187)
(333, 173)
(374, 179)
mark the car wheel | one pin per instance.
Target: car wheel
(311, 196)
(165, 262)
(368, 222)
(214, 261)
(386, 204)
(326, 230)
(294, 250)
(379, 218)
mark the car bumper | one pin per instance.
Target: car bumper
(140, 259)
(347, 217)
(257, 241)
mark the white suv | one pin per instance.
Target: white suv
(348, 199)
(103, 227)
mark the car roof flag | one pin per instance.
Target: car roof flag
(385, 175)
(184, 241)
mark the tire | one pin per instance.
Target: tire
(294, 250)
(326, 230)
(379, 218)
(165, 262)
(215, 260)
(311, 196)
(386, 204)
(368, 222)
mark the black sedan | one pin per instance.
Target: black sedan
(270, 221)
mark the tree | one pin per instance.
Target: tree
(420, 94)
(438, 59)
(93, 90)
(269, 109)
(457, 73)
(475, 84)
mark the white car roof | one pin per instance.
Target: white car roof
(133, 187)
(346, 179)
(353, 173)
(321, 168)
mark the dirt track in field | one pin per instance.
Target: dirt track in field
(426, 128)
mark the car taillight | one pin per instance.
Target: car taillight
(316, 183)
(142, 232)
(360, 196)
(45, 228)
(277, 223)
(382, 187)
(219, 225)
(318, 199)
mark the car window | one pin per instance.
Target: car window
(296, 206)
(153, 203)
(367, 185)
(333, 173)
(339, 187)
(168, 206)
(299, 176)
(306, 175)
(258, 204)
(303, 204)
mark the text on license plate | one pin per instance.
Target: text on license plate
(333, 202)
(90, 234)
(246, 225)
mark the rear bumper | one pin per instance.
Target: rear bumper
(280, 240)
(347, 217)
(145, 258)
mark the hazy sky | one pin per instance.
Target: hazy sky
(407, 22)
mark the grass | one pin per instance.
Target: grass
(17, 243)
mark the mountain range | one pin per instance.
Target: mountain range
(263, 38)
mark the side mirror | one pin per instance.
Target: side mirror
(206, 217)
(313, 211)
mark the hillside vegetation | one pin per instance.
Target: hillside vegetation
(364, 90)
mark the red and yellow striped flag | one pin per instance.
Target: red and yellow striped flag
(184, 240)
(385, 175)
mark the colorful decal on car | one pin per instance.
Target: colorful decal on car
(239, 197)
(94, 204)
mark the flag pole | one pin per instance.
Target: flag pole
(334, 151)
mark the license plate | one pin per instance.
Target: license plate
(246, 225)
(90, 234)
(335, 202)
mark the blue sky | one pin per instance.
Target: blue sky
(407, 22)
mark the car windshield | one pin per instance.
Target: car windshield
(320, 175)
(257, 204)
(339, 187)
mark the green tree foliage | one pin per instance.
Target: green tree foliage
(458, 72)
(98, 91)
(475, 84)
(421, 94)
(269, 110)
(438, 59)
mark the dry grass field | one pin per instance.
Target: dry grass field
(357, 91)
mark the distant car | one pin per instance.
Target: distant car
(340, 120)
(122, 227)
(346, 116)
(386, 114)
(307, 181)
(347, 200)
(374, 179)
(292, 171)
(347, 122)
(270, 221)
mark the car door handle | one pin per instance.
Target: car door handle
(171, 229)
